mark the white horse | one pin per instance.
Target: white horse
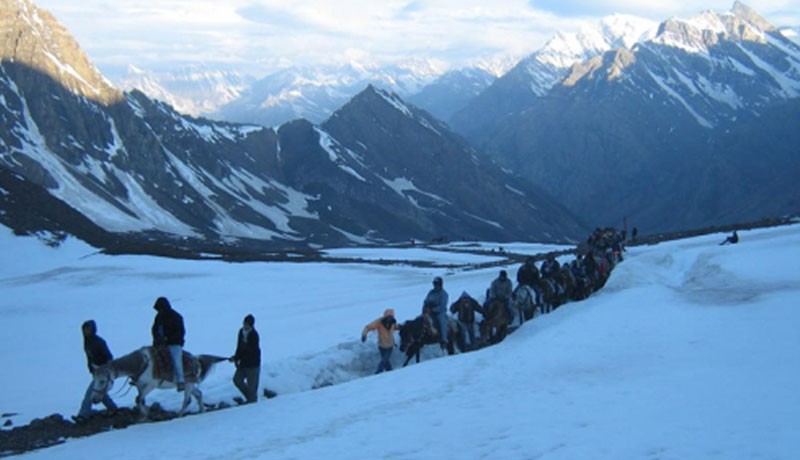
(526, 301)
(139, 367)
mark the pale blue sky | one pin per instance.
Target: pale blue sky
(258, 36)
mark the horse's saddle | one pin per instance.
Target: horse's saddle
(163, 369)
(429, 326)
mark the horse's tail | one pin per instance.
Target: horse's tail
(206, 363)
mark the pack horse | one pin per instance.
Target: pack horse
(146, 374)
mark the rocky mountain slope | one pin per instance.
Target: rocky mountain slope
(128, 173)
(535, 75)
(693, 127)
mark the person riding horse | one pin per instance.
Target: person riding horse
(437, 301)
(168, 331)
(528, 273)
(501, 289)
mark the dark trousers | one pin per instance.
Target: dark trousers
(386, 363)
(246, 380)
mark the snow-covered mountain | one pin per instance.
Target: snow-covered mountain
(128, 173)
(535, 75)
(792, 33)
(315, 93)
(193, 90)
(312, 93)
(452, 91)
(698, 123)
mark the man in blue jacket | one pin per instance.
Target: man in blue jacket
(437, 301)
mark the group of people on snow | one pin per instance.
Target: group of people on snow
(588, 271)
(169, 333)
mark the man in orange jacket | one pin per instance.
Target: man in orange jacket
(385, 326)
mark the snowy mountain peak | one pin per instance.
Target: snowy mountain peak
(750, 15)
(32, 37)
(707, 29)
(616, 31)
(393, 100)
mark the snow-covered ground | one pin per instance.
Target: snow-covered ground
(691, 351)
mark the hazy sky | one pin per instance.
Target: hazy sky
(258, 36)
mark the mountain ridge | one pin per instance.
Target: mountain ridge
(146, 175)
(650, 128)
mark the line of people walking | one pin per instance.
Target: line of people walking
(168, 331)
(553, 283)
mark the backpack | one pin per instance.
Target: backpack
(466, 312)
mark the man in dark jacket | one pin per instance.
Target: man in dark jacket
(248, 360)
(465, 308)
(97, 354)
(528, 273)
(168, 331)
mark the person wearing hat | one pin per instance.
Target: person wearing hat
(247, 359)
(385, 326)
(168, 331)
(436, 302)
(501, 289)
(528, 273)
(97, 354)
(464, 308)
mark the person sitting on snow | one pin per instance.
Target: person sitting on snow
(733, 239)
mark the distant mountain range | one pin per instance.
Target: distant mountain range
(192, 90)
(309, 93)
(691, 126)
(683, 124)
(129, 173)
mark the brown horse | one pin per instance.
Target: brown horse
(414, 335)
(496, 319)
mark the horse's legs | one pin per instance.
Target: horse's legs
(188, 390)
(191, 390)
(451, 343)
(501, 333)
(141, 404)
(198, 395)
